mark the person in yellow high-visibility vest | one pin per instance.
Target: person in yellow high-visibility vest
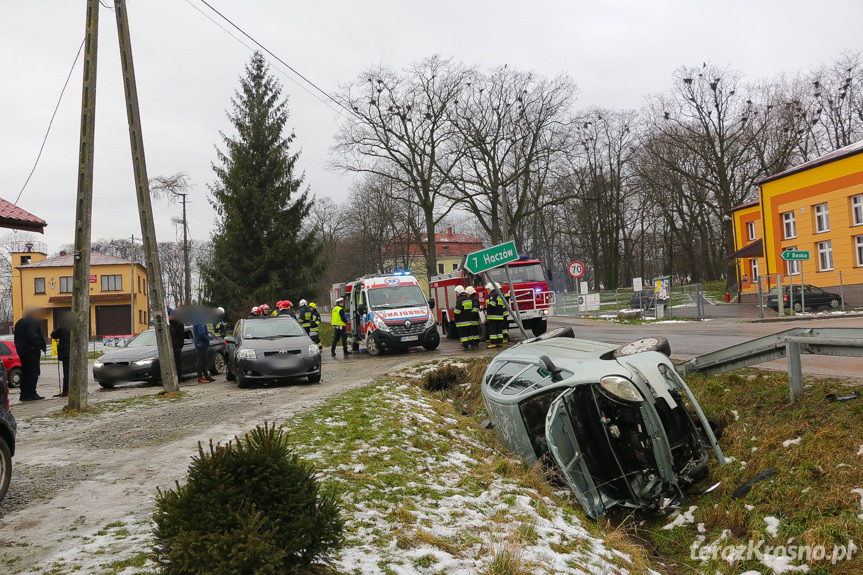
(339, 322)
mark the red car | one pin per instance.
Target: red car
(11, 361)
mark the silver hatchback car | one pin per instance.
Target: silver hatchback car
(621, 424)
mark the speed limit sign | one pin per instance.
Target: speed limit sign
(576, 269)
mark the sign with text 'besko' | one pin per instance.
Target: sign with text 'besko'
(795, 255)
(490, 258)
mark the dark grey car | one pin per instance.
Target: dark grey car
(271, 349)
(139, 361)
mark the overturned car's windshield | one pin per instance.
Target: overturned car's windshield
(281, 327)
(396, 297)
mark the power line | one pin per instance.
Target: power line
(285, 74)
(285, 64)
(51, 123)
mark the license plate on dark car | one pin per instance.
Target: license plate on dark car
(410, 338)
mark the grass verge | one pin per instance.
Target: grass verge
(813, 500)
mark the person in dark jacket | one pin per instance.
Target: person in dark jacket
(178, 335)
(30, 343)
(201, 335)
(474, 318)
(463, 316)
(63, 335)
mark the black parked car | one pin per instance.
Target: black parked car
(644, 299)
(271, 349)
(8, 428)
(813, 297)
(139, 361)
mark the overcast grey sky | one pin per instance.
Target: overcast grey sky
(187, 68)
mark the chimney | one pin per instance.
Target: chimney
(449, 231)
(63, 253)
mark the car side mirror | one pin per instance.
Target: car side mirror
(230, 339)
(431, 303)
(551, 368)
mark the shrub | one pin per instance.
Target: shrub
(445, 377)
(248, 507)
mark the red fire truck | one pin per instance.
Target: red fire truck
(532, 300)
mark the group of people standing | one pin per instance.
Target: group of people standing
(30, 344)
(467, 319)
(307, 314)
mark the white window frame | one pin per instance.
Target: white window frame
(822, 218)
(857, 210)
(858, 244)
(825, 256)
(789, 225)
(792, 267)
(753, 265)
(750, 230)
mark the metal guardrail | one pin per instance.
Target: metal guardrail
(836, 341)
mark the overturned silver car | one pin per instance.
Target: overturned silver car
(621, 424)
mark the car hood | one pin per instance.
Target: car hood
(130, 354)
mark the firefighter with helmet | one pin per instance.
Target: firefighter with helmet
(339, 322)
(494, 314)
(315, 326)
(264, 310)
(283, 309)
(474, 321)
(463, 316)
(304, 315)
(254, 313)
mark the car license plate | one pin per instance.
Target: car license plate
(411, 338)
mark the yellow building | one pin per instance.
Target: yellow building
(815, 207)
(46, 284)
(405, 254)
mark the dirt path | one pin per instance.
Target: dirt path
(75, 475)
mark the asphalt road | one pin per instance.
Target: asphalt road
(690, 338)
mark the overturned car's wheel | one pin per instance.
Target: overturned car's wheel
(653, 343)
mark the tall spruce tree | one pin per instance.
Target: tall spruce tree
(262, 251)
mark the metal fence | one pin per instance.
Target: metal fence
(764, 292)
(684, 302)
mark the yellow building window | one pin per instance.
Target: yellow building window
(858, 247)
(750, 230)
(825, 256)
(112, 282)
(857, 210)
(792, 267)
(822, 218)
(38, 285)
(789, 226)
(66, 283)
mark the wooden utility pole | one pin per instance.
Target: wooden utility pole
(145, 206)
(79, 364)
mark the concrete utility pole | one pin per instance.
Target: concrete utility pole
(145, 205)
(78, 368)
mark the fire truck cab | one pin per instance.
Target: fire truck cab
(532, 299)
(388, 312)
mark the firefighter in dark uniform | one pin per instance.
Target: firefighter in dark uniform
(494, 310)
(474, 322)
(304, 315)
(463, 316)
(505, 328)
(315, 326)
